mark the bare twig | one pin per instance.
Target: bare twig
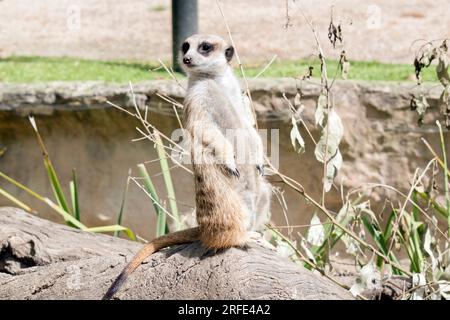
(266, 67)
(171, 73)
(151, 197)
(170, 100)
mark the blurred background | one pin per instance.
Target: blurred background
(140, 30)
(61, 60)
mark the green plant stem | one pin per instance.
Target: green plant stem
(113, 228)
(434, 204)
(16, 201)
(122, 204)
(161, 223)
(74, 196)
(67, 217)
(53, 177)
(441, 163)
(21, 186)
(446, 188)
(167, 179)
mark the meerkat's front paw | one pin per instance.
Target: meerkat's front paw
(232, 171)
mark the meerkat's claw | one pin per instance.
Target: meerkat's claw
(232, 172)
(260, 168)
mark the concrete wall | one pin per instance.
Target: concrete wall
(381, 143)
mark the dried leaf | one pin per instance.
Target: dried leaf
(308, 252)
(284, 249)
(296, 139)
(429, 244)
(420, 105)
(445, 96)
(445, 105)
(419, 282)
(428, 54)
(351, 245)
(327, 147)
(330, 138)
(345, 214)
(444, 289)
(297, 100)
(334, 33)
(333, 166)
(321, 109)
(348, 213)
(442, 70)
(442, 66)
(316, 232)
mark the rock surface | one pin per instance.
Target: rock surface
(43, 260)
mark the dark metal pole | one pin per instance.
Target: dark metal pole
(184, 24)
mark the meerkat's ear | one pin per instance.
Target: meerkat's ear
(229, 53)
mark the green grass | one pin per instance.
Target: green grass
(39, 69)
(159, 7)
(359, 70)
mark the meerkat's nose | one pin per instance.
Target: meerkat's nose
(187, 60)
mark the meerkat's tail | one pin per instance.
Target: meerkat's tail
(179, 237)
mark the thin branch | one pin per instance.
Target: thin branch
(171, 73)
(266, 67)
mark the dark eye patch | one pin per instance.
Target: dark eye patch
(185, 47)
(205, 48)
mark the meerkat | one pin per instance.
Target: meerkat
(231, 194)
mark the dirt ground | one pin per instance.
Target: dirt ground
(381, 30)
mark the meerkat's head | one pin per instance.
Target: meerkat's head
(205, 55)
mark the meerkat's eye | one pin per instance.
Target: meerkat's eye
(205, 47)
(185, 47)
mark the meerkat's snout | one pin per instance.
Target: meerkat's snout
(187, 60)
